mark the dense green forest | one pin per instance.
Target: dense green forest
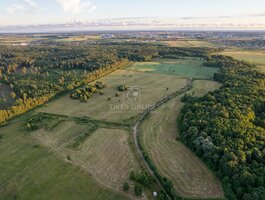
(226, 128)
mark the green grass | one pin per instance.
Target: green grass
(189, 67)
(30, 171)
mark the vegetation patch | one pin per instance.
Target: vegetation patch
(45, 174)
(123, 106)
(172, 159)
(220, 127)
(185, 67)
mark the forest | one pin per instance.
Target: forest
(39, 73)
(226, 128)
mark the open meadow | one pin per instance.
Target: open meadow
(189, 43)
(253, 56)
(159, 135)
(105, 155)
(188, 68)
(30, 171)
(125, 106)
(152, 80)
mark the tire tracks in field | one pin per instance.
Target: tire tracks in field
(141, 117)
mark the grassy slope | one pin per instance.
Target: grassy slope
(30, 172)
(190, 176)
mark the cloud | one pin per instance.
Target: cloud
(28, 6)
(31, 3)
(76, 6)
(16, 8)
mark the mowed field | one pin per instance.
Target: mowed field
(30, 171)
(253, 56)
(105, 155)
(189, 43)
(190, 176)
(151, 86)
(188, 67)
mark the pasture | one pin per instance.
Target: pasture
(202, 87)
(105, 155)
(189, 43)
(151, 88)
(30, 171)
(79, 38)
(253, 56)
(188, 68)
(159, 135)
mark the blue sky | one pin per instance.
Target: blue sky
(192, 12)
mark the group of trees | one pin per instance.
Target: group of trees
(141, 179)
(87, 92)
(226, 128)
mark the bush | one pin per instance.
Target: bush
(125, 187)
(138, 190)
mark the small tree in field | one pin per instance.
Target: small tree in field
(125, 186)
(138, 190)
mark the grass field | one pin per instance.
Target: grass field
(105, 155)
(202, 87)
(30, 171)
(152, 87)
(174, 160)
(188, 67)
(80, 38)
(189, 43)
(253, 56)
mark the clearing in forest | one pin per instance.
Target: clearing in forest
(159, 135)
(253, 56)
(188, 68)
(151, 88)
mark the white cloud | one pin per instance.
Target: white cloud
(76, 6)
(16, 8)
(31, 3)
(29, 6)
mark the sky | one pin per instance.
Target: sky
(132, 14)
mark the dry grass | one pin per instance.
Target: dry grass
(153, 87)
(105, 155)
(174, 160)
(253, 56)
(189, 43)
(202, 87)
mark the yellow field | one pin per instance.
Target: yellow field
(190, 176)
(202, 87)
(105, 155)
(253, 56)
(189, 43)
(152, 87)
(80, 38)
